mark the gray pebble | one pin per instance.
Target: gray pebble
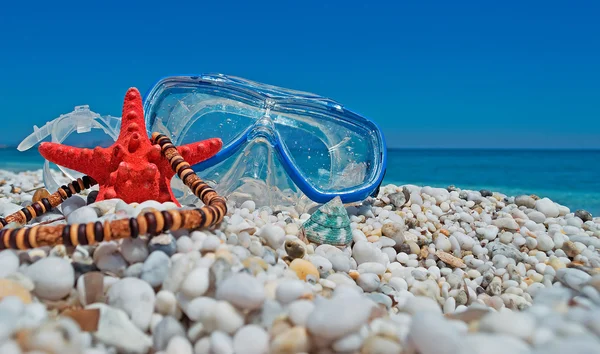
(584, 215)
(134, 250)
(167, 328)
(572, 278)
(368, 281)
(9, 208)
(71, 204)
(164, 243)
(525, 201)
(91, 197)
(399, 199)
(134, 270)
(82, 215)
(156, 268)
(486, 193)
(509, 250)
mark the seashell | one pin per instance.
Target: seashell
(330, 224)
(295, 249)
(40, 194)
(469, 315)
(450, 259)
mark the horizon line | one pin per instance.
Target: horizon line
(453, 148)
(497, 148)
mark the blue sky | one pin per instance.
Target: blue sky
(431, 73)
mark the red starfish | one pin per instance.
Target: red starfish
(132, 169)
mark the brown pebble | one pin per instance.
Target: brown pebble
(93, 283)
(570, 249)
(86, 318)
(424, 252)
(40, 194)
(15, 190)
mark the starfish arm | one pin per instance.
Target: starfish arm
(197, 152)
(87, 161)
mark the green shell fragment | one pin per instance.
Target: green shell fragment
(330, 224)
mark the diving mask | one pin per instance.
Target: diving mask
(280, 146)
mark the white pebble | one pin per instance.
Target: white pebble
(248, 204)
(166, 303)
(299, 311)
(251, 339)
(196, 282)
(221, 343)
(135, 297)
(227, 318)
(289, 290)
(242, 290)
(273, 235)
(9, 263)
(53, 278)
(179, 345)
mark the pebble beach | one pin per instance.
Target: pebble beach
(428, 271)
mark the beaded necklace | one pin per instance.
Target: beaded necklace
(150, 223)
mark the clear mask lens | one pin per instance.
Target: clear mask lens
(331, 156)
(279, 145)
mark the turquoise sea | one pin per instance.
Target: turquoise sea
(569, 177)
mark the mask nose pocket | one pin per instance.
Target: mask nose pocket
(254, 172)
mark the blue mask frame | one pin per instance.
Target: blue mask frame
(309, 101)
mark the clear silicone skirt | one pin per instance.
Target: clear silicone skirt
(281, 148)
(92, 130)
